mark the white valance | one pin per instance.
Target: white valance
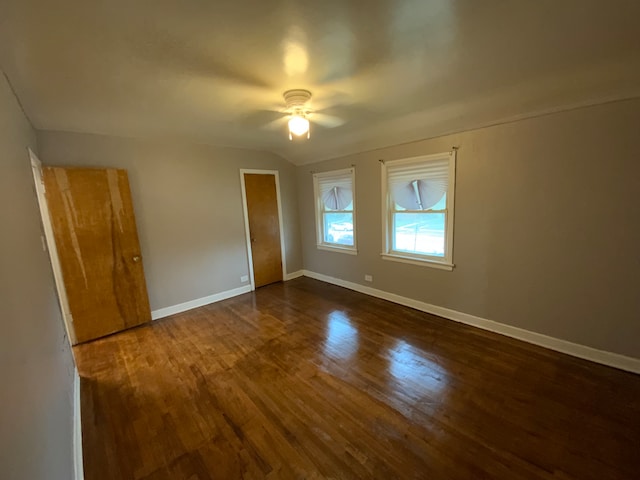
(336, 189)
(418, 185)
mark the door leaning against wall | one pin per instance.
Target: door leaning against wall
(263, 222)
(96, 239)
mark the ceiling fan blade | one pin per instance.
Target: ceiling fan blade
(328, 121)
(258, 118)
(178, 52)
(276, 124)
(323, 101)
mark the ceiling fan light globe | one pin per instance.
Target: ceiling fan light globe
(298, 125)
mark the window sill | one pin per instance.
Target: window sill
(418, 261)
(335, 248)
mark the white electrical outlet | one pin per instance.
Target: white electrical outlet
(244, 278)
(368, 278)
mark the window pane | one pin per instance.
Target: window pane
(348, 208)
(421, 233)
(338, 228)
(442, 204)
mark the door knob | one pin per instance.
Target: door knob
(136, 258)
(253, 239)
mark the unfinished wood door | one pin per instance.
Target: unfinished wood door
(264, 227)
(97, 242)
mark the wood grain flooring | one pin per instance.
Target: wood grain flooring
(308, 380)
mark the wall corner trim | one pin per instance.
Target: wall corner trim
(610, 359)
(199, 302)
(78, 465)
(292, 275)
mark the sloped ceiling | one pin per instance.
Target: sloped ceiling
(394, 70)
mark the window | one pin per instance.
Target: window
(335, 208)
(418, 195)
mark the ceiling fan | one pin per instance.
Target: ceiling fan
(299, 114)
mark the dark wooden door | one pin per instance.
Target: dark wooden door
(97, 241)
(264, 228)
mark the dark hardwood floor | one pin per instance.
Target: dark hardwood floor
(308, 380)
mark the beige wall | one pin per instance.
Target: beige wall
(36, 365)
(188, 206)
(547, 226)
(545, 232)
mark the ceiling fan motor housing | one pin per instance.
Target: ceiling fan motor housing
(296, 100)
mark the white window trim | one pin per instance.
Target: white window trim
(320, 243)
(441, 263)
(340, 249)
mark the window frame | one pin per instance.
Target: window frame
(321, 244)
(388, 210)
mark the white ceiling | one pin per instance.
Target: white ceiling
(394, 70)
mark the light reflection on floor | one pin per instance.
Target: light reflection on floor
(342, 336)
(407, 366)
(410, 366)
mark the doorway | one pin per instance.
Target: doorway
(263, 226)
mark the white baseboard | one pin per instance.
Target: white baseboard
(198, 302)
(217, 297)
(291, 276)
(78, 465)
(588, 353)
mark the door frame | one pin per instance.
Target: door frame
(245, 211)
(52, 249)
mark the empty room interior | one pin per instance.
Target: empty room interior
(320, 240)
